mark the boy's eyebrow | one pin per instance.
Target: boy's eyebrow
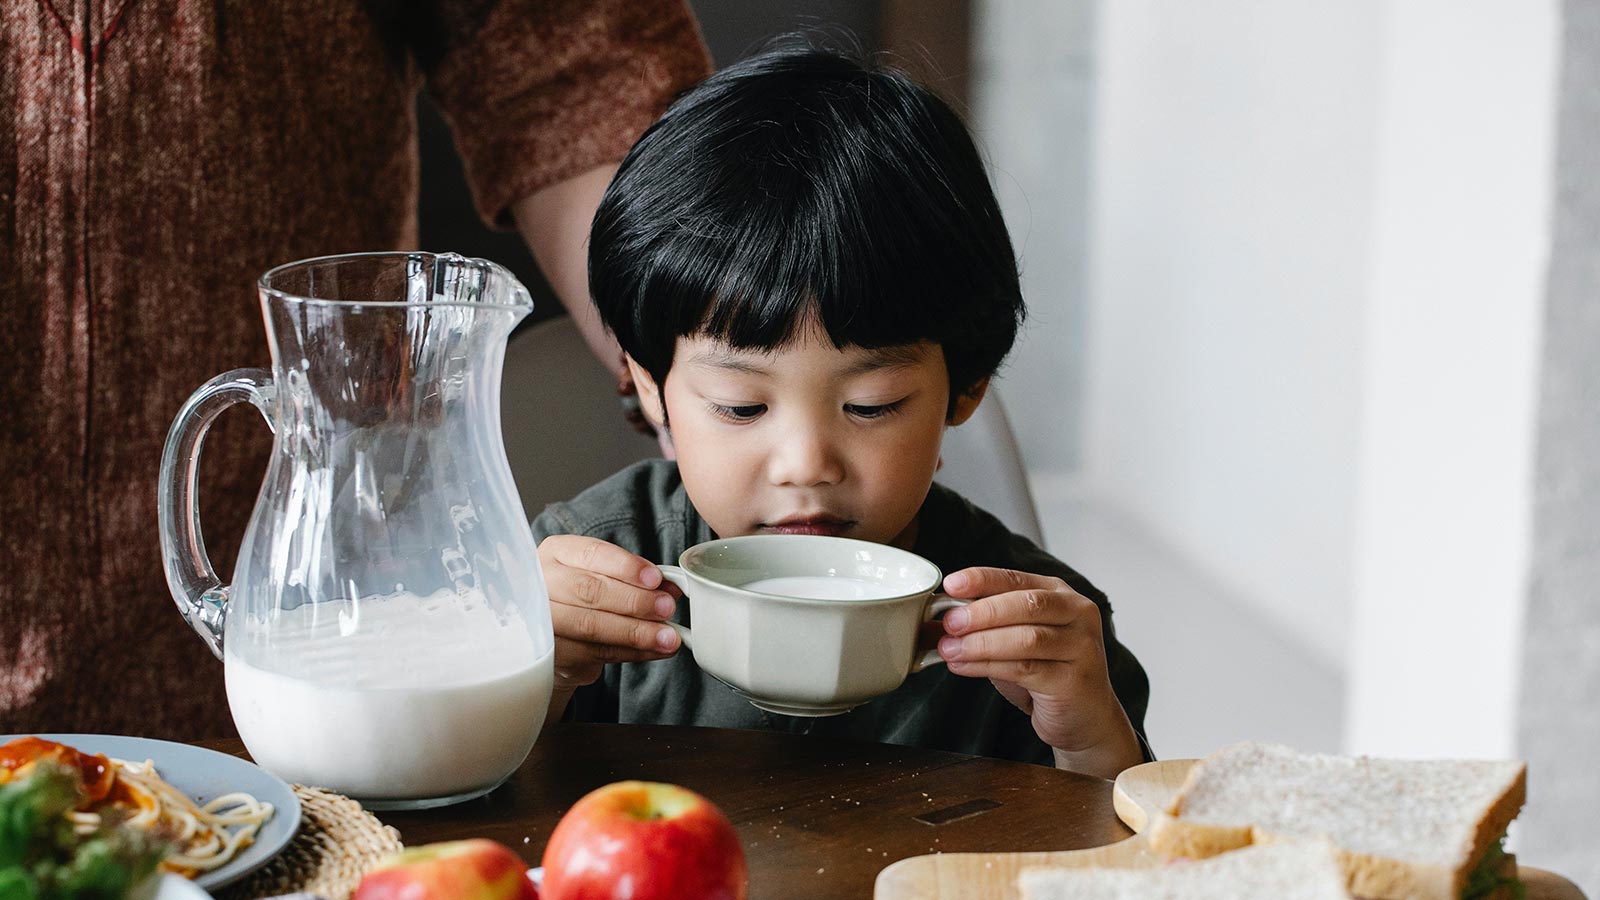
(872, 360)
(718, 357)
(878, 358)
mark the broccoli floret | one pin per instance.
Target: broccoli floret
(43, 858)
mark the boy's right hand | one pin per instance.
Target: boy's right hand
(607, 605)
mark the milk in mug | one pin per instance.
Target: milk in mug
(396, 697)
(823, 587)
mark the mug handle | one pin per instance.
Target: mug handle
(942, 603)
(680, 578)
(200, 595)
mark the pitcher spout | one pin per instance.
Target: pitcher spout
(479, 282)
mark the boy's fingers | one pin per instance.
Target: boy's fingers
(1028, 673)
(1039, 643)
(579, 674)
(602, 558)
(1026, 607)
(590, 658)
(576, 587)
(984, 581)
(591, 626)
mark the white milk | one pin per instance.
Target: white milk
(408, 698)
(825, 587)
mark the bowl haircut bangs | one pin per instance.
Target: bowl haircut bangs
(801, 185)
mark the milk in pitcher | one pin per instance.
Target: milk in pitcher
(391, 697)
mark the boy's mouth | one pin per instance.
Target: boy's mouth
(818, 524)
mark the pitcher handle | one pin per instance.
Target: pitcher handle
(202, 598)
(938, 605)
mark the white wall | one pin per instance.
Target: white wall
(1319, 239)
(1461, 240)
(1031, 86)
(1315, 251)
(1231, 210)
(1560, 732)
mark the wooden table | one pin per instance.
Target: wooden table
(818, 818)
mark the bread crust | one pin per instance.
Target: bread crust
(1370, 876)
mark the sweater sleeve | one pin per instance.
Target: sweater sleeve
(537, 91)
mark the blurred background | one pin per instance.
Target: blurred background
(1310, 383)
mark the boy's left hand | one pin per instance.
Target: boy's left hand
(1040, 643)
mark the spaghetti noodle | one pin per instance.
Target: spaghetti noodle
(133, 794)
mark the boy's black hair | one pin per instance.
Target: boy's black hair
(798, 180)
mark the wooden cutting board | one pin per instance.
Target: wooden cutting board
(1138, 793)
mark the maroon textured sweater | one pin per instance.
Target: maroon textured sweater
(155, 157)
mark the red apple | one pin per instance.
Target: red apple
(639, 840)
(478, 869)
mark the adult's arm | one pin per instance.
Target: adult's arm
(543, 99)
(555, 223)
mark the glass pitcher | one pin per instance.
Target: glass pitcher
(387, 632)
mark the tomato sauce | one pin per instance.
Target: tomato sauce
(96, 771)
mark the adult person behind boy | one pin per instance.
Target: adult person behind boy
(809, 272)
(156, 157)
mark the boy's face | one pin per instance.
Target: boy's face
(807, 438)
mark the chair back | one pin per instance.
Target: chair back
(559, 413)
(983, 463)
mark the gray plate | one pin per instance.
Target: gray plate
(204, 774)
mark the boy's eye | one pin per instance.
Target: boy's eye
(861, 411)
(738, 413)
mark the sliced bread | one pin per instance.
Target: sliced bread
(1404, 829)
(1303, 871)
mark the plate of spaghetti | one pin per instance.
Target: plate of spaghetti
(221, 816)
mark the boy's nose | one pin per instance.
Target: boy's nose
(805, 460)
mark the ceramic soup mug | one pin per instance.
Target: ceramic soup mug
(808, 625)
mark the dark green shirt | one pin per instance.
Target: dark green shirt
(645, 510)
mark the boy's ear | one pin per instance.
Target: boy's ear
(967, 403)
(649, 393)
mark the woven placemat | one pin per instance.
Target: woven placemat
(337, 843)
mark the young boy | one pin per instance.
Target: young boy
(809, 273)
